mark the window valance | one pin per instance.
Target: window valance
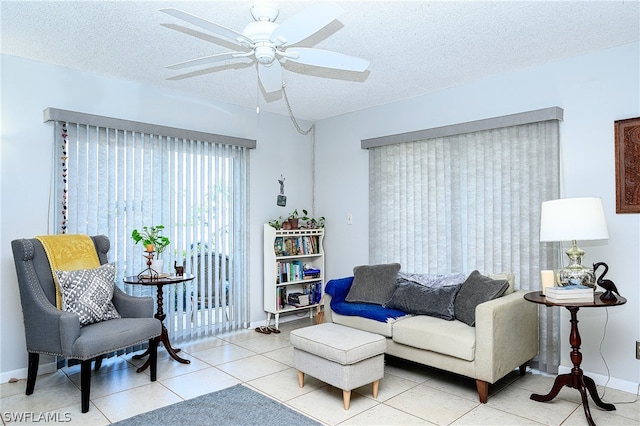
(55, 114)
(528, 117)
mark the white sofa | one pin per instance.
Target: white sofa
(505, 337)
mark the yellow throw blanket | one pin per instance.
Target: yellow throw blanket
(68, 253)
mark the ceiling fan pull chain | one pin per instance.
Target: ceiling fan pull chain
(295, 122)
(257, 93)
(313, 147)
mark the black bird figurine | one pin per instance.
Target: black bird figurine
(606, 284)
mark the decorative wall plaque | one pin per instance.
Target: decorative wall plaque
(627, 140)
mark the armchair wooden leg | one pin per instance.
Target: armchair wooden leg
(32, 372)
(85, 384)
(483, 390)
(98, 362)
(153, 358)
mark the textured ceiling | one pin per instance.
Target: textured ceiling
(414, 47)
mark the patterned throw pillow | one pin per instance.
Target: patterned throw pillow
(88, 293)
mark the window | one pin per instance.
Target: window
(468, 197)
(115, 176)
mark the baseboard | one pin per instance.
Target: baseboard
(614, 383)
(21, 373)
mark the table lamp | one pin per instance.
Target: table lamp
(573, 219)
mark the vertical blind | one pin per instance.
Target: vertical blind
(469, 201)
(111, 181)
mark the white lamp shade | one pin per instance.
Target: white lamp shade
(570, 219)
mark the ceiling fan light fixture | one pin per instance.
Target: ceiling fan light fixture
(265, 54)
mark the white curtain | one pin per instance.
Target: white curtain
(469, 201)
(112, 181)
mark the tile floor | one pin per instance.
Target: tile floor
(409, 393)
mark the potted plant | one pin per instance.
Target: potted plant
(312, 222)
(293, 219)
(277, 223)
(153, 240)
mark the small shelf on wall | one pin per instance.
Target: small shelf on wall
(293, 271)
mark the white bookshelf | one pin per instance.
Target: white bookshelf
(286, 254)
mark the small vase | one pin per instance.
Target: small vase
(293, 223)
(157, 265)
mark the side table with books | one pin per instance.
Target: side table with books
(575, 379)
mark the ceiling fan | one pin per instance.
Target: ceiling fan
(269, 43)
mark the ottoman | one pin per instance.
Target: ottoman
(341, 356)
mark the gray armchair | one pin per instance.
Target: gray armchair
(56, 332)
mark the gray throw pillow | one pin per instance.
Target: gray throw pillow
(476, 289)
(417, 299)
(88, 293)
(373, 283)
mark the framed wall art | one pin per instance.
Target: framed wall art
(627, 146)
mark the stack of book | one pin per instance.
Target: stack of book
(569, 294)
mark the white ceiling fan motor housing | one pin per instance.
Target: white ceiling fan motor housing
(260, 32)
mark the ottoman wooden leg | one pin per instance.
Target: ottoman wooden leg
(376, 385)
(300, 379)
(346, 398)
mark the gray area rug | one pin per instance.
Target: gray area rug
(237, 405)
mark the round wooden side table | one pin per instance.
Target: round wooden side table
(576, 379)
(160, 314)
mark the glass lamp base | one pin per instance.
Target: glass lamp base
(576, 276)
(575, 273)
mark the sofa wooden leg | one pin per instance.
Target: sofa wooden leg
(483, 390)
(376, 386)
(346, 398)
(523, 369)
(32, 371)
(85, 384)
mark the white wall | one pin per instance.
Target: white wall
(29, 87)
(594, 90)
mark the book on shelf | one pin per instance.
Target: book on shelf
(295, 246)
(311, 273)
(289, 271)
(282, 297)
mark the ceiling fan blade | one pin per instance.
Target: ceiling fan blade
(270, 76)
(207, 25)
(306, 23)
(205, 60)
(326, 59)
